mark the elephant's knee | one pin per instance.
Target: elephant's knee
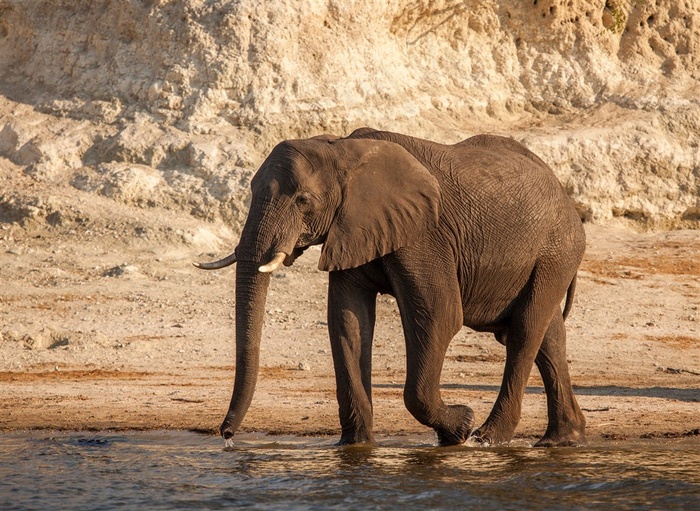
(418, 404)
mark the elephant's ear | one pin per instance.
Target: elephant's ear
(389, 200)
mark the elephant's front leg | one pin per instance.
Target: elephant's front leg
(431, 314)
(351, 318)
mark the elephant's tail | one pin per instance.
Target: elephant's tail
(569, 298)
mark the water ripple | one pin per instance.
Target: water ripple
(174, 470)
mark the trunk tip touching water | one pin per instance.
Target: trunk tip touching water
(226, 430)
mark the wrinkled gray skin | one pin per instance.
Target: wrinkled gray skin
(479, 234)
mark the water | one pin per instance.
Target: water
(177, 470)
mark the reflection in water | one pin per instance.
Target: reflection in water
(173, 470)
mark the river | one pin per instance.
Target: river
(180, 470)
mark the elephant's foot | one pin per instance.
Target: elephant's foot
(488, 435)
(460, 421)
(356, 437)
(569, 436)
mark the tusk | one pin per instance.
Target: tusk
(215, 265)
(274, 264)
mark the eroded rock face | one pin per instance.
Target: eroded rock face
(605, 91)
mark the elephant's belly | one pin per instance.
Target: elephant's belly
(486, 303)
(487, 317)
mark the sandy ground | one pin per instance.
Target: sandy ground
(115, 329)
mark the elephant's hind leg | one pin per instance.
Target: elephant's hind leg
(566, 424)
(528, 323)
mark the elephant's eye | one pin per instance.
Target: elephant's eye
(303, 201)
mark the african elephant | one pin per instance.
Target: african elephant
(478, 234)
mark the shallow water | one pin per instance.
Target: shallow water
(178, 470)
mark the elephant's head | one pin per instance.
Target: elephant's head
(360, 198)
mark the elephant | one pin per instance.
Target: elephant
(478, 234)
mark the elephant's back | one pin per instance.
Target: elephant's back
(510, 185)
(497, 143)
(489, 183)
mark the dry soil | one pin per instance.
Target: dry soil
(109, 331)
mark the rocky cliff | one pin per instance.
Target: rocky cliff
(173, 104)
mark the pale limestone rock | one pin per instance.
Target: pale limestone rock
(199, 92)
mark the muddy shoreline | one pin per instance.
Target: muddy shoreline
(104, 335)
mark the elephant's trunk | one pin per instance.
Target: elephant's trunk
(251, 292)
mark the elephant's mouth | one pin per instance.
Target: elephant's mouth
(305, 241)
(289, 260)
(308, 239)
